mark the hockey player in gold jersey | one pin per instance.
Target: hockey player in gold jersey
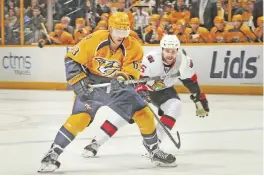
(106, 56)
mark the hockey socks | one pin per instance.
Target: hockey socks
(62, 140)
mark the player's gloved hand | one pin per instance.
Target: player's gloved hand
(143, 90)
(201, 103)
(82, 89)
(117, 83)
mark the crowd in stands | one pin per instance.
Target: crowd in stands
(193, 21)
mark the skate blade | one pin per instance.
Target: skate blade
(88, 154)
(160, 164)
(146, 155)
(46, 167)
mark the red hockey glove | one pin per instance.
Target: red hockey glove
(143, 90)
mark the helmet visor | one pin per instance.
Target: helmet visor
(120, 32)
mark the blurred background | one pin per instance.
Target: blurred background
(27, 22)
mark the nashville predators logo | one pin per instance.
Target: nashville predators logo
(107, 67)
(158, 85)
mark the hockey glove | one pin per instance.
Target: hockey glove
(143, 90)
(201, 104)
(81, 87)
(117, 83)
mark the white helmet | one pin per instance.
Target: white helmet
(170, 41)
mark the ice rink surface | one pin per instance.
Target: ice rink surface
(229, 141)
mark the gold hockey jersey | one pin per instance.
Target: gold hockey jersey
(94, 52)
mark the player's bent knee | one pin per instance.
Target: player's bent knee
(77, 123)
(144, 118)
(172, 108)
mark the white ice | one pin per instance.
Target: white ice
(229, 141)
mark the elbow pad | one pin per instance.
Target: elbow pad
(191, 84)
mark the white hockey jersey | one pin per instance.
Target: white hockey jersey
(152, 65)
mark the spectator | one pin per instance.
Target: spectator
(105, 17)
(181, 11)
(220, 9)
(81, 30)
(149, 3)
(205, 10)
(11, 4)
(11, 19)
(167, 9)
(11, 30)
(59, 36)
(257, 11)
(102, 25)
(259, 30)
(65, 21)
(153, 33)
(247, 16)
(197, 34)
(236, 9)
(240, 32)
(57, 10)
(131, 19)
(165, 24)
(34, 5)
(180, 31)
(35, 25)
(141, 21)
(102, 7)
(219, 32)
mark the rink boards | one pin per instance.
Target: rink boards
(221, 69)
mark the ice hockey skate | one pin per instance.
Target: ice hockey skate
(49, 163)
(91, 149)
(160, 158)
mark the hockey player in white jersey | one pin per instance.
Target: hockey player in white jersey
(170, 60)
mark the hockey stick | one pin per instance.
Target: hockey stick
(133, 81)
(178, 145)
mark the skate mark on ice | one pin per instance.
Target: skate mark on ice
(132, 136)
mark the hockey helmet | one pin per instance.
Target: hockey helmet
(119, 24)
(170, 41)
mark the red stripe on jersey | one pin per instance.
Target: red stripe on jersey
(168, 121)
(202, 96)
(194, 78)
(109, 128)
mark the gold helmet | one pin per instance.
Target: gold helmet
(119, 20)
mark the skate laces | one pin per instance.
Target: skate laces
(52, 154)
(159, 153)
(94, 145)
